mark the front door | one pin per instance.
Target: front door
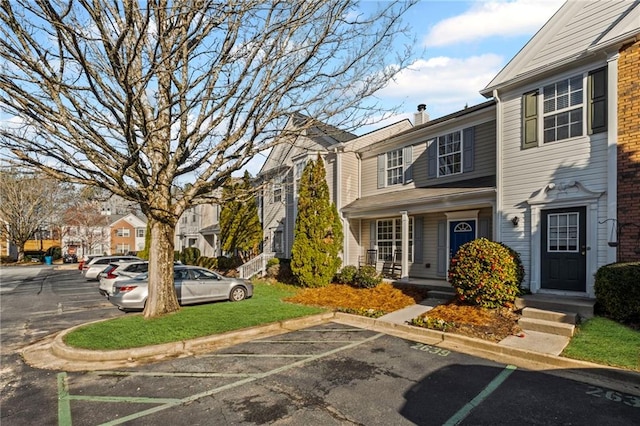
(563, 249)
(460, 232)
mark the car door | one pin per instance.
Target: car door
(204, 285)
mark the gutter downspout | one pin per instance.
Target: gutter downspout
(497, 214)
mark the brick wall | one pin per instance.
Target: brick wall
(629, 152)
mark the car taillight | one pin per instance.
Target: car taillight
(125, 288)
(111, 275)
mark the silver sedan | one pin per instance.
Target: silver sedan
(193, 285)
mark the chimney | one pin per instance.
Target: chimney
(421, 116)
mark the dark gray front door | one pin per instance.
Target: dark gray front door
(563, 249)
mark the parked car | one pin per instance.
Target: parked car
(118, 271)
(69, 258)
(95, 266)
(85, 259)
(193, 285)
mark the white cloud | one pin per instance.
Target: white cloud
(492, 18)
(445, 84)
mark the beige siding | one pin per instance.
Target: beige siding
(579, 33)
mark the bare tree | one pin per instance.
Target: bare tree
(139, 99)
(28, 203)
(85, 224)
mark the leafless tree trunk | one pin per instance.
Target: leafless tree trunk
(141, 99)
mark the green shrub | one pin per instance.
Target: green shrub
(519, 265)
(367, 277)
(201, 260)
(347, 275)
(190, 255)
(55, 252)
(176, 256)
(617, 289)
(484, 273)
(273, 267)
(211, 263)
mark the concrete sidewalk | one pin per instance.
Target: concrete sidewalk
(534, 341)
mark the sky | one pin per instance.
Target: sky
(462, 45)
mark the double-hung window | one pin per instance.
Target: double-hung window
(122, 232)
(562, 109)
(389, 238)
(450, 154)
(565, 109)
(394, 167)
(276, 189)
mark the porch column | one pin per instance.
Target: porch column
(404, 262)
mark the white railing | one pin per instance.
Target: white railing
(257, 265)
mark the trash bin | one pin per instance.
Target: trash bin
(48, 260)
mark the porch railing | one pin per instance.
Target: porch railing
(257, 265)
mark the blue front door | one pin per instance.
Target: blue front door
(460, 232)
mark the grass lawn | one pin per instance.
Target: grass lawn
(606, 342)
(132, 330)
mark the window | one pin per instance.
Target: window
(394, 167)
(140, 233)
(562, 109)
(299, 169)
(122, 232)
(191, 242)
(568, 109)
(277, 242)
(450, 154)
(122, 248)
(562, 232)
(389, 238)
(276, 189)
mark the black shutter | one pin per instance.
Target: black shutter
(468, 142)
(530, 120)
(597, 102)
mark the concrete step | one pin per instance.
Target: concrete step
(440, 294)
(564, 317)
(580, 305)
(546, 326)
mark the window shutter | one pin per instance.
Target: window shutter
(597, 102)
(407, 161)
(381, 170)
(432, 158)
(530, 120)
(417, 239)
(372, 234)
(483, 229)
(468, 142)
(442, 248)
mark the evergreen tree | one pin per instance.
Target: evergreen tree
(240, 227)
(318, 230)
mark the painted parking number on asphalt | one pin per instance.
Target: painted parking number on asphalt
(430, 349)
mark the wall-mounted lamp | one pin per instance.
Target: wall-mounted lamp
(515, 220)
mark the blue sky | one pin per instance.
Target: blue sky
(462, 45)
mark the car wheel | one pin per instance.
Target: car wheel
(237, 294)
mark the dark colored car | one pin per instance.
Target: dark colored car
(69, 258)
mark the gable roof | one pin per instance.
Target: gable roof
(130, 218)
(313, 135)
(576, 31)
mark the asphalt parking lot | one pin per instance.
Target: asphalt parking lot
(335, 374)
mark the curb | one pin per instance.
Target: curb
(618, 378)
(615, 378)
(184, 347)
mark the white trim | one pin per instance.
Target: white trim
(612, 146)
(557, 196)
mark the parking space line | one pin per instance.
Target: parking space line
(219, 389)
(165, 374)
(256, 356)
(129, 399)
(64, 406)
(488, 390)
